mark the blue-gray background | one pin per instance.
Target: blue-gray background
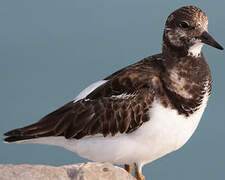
(50, 50)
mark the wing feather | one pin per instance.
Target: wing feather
(119, 105)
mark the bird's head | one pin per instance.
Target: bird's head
(186, 30)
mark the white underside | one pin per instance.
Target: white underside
(165, 132)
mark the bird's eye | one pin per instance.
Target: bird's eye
(184, 24)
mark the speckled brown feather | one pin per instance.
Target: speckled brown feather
(121, 104)
(104, 112)
(176, 41)
(194, 79)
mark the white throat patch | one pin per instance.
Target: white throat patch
(195, 50)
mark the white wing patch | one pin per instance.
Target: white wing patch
(123, 96)
(88, 90)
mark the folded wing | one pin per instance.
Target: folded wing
(120, 105)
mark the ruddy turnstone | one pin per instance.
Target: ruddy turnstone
(141, 112)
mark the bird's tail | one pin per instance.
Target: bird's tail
(50, 125)
(69, 121)
(54, 124)
(33, 131)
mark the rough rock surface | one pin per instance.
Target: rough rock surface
(84, 171)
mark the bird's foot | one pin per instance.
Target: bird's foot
(139, 176)
(128, 168)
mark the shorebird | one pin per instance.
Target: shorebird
(141, 112)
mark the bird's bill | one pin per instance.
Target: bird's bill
(208, 39)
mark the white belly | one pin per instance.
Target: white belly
(165, 132)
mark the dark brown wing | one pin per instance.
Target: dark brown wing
(118, 106)
(107, 116)
(131, 79)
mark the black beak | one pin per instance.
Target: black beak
(208, 39)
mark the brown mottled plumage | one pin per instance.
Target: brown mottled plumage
(178, 79)
(104, 112)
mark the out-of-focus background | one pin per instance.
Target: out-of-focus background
(51, 50)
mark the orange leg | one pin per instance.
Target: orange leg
(128, 168)
(138, 175)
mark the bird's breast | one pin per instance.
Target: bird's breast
(167, 130)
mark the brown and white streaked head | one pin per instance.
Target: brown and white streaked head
(186, 30)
